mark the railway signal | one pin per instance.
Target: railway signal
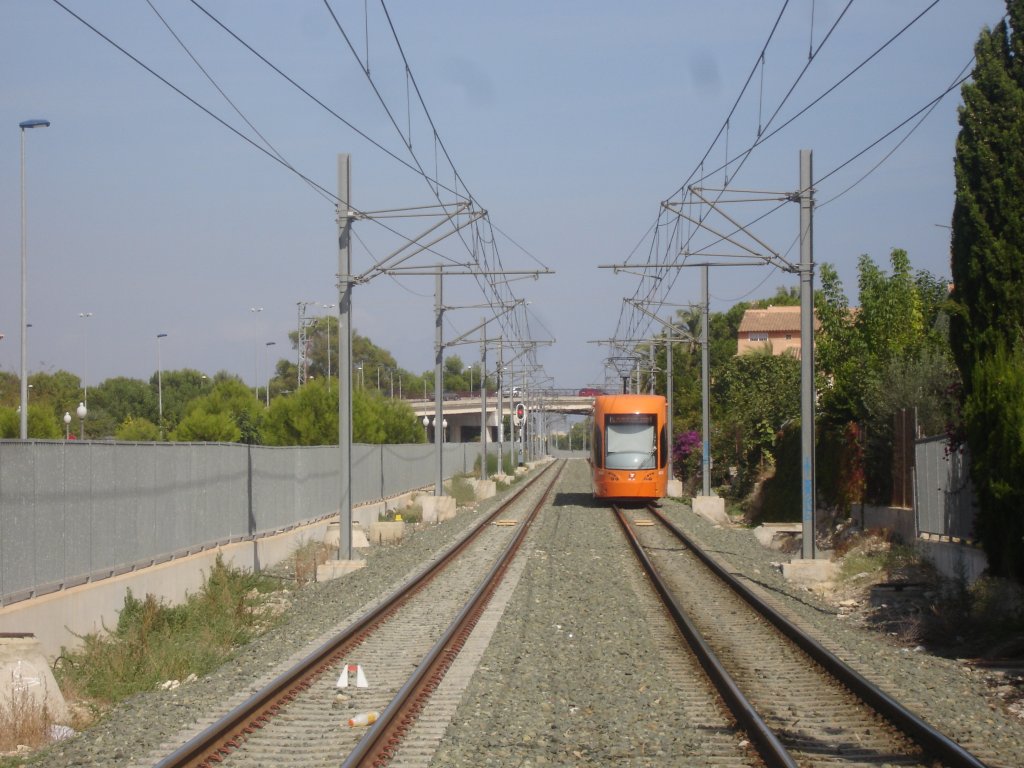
(520, 414)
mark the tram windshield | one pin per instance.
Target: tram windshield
(631, 440)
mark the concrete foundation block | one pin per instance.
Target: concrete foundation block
(711, 508)
(437, 509)
(779, 536)
(26, 680)
(484, 489)
(390, 532)
(335, 569)
(674, 489)
(520, 471)
(332, 537)
(810, 572)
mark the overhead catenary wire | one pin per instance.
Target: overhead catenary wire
(763, 136)
(478, 245)
(327, 194)
(228, 99)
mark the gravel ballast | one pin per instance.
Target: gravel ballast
(575, 673)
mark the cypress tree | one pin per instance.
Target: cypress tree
(988, 276)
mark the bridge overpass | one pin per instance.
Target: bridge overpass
(463, 415)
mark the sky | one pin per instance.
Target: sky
(568, 122)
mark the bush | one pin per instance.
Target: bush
(462, 489)
(154, 641)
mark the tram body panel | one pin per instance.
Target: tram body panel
(629, 447)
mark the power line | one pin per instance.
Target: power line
(231, 103)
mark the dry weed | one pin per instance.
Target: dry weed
(24, 721)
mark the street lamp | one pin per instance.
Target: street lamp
(470, 369)
(85, 378)
(268, 345)
(444, 433)
(160, 383)
(256, 357)
(426, 423)
(81, 411)
(67, 425)
(24, 280)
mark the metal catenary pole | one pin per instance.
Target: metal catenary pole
(344, 358)
(807, 351)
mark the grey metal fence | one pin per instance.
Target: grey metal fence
(944, 495)
(76, 511)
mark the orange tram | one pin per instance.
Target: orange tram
(629, 447)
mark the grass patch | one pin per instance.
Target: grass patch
(155, 642)
(877, 558)
(508, 465)
(463, 491)
(411, 514)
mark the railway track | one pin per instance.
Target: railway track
(302, 716)
(798, 703)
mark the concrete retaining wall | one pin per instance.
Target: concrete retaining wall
(55, 619)
(954, 560)
(899, 520)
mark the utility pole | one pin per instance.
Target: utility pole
(438, 383)
(808, 489)
(344, 356)
(705, 383)
(483, 398)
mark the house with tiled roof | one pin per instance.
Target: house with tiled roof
(775, 329)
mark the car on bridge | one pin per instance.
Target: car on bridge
(590, 392)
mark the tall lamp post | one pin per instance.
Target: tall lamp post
(24, 279)
(256, 357)
(160, 383)
(85, 377)
(81, 411)
(67, 425)
(267, 347)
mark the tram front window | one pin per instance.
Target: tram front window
(631, 441)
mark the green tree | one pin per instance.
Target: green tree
(891, 353)
(306, 417)
(42, 423)
(757, 395)
(10, 389)
(229, 413)
(987, 319)
(119, 399)
(179, 388)
(994, 414)
(60, 391)
(207, 426)
(137, 430)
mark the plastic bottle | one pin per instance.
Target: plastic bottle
(363, 718)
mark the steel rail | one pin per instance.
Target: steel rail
(378, 745)
(932, 741)
(771, 748)
(229, 732)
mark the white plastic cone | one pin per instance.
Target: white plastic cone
(360, 677)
